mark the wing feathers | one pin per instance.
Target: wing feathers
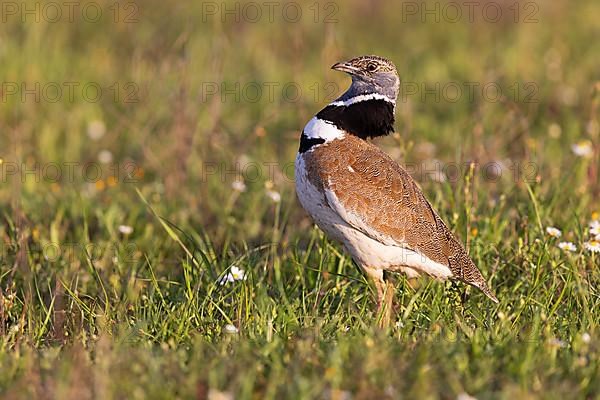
(379, 198)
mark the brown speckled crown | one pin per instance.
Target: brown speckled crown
(363, 62)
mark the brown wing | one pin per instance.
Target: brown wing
(381, 199)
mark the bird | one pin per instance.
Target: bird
(359, 196)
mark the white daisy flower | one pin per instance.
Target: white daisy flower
(554, 232)
(567, 246)
(465, 396)
(238, 273)
(214, 394)
(238, 185)
(96, 129)
(583, 148)
(274, 196)
(234, 274)
(105, 157)
(229, 328)
(125, 229)
(594, 228)
(593, 246)
(586, 337)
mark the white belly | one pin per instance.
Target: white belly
(365, 251)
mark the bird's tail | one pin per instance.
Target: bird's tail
(464, 268)
(481, 285)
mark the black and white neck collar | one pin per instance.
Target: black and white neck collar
(365, 116)
(360, 98)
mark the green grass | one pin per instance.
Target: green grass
(87, 311)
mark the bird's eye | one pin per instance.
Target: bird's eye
(371, 67)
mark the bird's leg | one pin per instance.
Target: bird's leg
(388, 304)
(385, 296)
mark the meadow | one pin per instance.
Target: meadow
(151, 242)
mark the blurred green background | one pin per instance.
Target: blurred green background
(148, 147)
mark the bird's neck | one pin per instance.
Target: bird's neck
(365, 115)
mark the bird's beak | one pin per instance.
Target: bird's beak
(344, 67)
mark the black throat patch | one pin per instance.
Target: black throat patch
(365, 119)
(306, 143)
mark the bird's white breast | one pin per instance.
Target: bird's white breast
(315, 203)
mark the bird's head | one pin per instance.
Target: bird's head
(370, 75)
